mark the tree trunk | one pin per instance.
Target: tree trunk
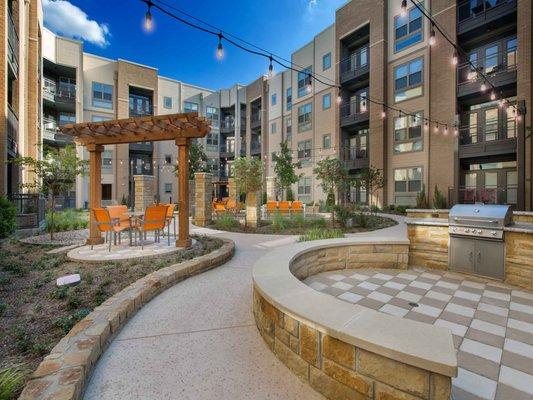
(52, 218)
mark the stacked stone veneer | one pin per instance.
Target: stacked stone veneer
(331, 365)
(64, 372)
(144, 191)
(203, 197)
(519, 259)
(428, 246)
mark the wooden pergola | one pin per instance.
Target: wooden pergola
(178, 127)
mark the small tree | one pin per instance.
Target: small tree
(372, 180)
(334, 179)
(55, 174)
(8, 213)
(248, 173)
(439, 200)
(197, 160)
(421, 199)
(285, 169)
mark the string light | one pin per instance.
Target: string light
(455, 58)
(148, 23)
(483, 87)
(363, 106)
(436, 128)
(309, 87)
(446, 130)
(220, 49)
(492, 95)
(339, 99)
(432, 38)
(426, 125)
(270, 68)
(383, 114)
(403, 11)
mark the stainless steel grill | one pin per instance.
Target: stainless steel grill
(477, 238)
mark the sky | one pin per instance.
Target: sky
(114, 29)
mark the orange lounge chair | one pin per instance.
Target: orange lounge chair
(297, 207)
(154, 220)
(106, 224)
(271, 207)
(232, 206)
(285, 207)
(170, 217)
(219, 208)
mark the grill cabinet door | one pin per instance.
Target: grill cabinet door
(462, 253)
(489, 258)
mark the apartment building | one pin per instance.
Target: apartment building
(20, 94)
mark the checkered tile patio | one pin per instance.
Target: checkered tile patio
(492, 323)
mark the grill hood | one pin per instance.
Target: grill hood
(480, 215)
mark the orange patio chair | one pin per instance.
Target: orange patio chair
(153, 221)
(232, 206)
(106, 224)
(219, 208)
(119, 214)
(169, 218)
(285, 207)
(271, 207)
(297, 207)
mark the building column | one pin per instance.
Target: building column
(144, 191)
(95, 190)
(233, 191)
(203, 199)
(184, 239)
(271, 188)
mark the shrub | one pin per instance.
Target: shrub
(320, 233)
(324, 207)
(298, 220)
(374, 209)
(401, 210)
(289, 194)
(279, 222)
(439, 200)
(421, 199)
(66, 220)
(330, 200)
(11, 381)
(8, 213)
(226, 222)
(66, 323)
(362, 220)
(343, 215)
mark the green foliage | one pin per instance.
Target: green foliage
(66, 323)
(285, 168)
(371, 179)
(289, 194)
(279, 222)
(67, 220)
(226, 222)
(344, 215)
(13, 265)
(263, 198)
(249, 173)
(320, 233)
(3, 308)
(333, 175)
(330, 200)
(421, 199)
(362, 220)
(439, 200)
(8, 214)
(282, 222)
(11, 382)
(402, 210)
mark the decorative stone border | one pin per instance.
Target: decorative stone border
(343, 350)
(64, 372)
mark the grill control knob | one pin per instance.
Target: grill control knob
(493, 233)
(467, 230)
(480, 232)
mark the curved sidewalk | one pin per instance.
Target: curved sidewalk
(198, 339)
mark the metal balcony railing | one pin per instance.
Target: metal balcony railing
(12, 130)
(470, 9)
(357, 61)
(255, 118)
(227, 123)
(500, 130)
(490, 65)
(13, 43)
(138, 112)
(484, 194)
(354, 107)
(355, 153)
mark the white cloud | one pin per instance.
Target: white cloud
(320, 9)
(66, 19)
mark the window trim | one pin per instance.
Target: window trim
(421, 84)
(288, 95)
(165, 98)
(324, 96)
(305, 159)
(327, 135)
(409, 34)
(421, 138)
(310, 122)
(102, 100)
(328, 55)
(407, 193)
(306, 72)
(273, 99)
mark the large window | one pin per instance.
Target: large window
(189, 106)
(326, 101)
(408, 133)
(168, 187)
(211, 113)
(102, 95)
(100, 118)
(288, 130)
(212, 141)
(274, 99)
(407, 183)
(67, 87)
(408, 80)
(304, 151)
(326, 142)
(304, 189)
(273, 127)
(326, 61)
(408, 30)
(305, 117)
(67, 118)
(107, 159)
(139, 105)
(304, 80)
(289, 99)
(167, 102)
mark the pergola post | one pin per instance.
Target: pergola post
(184, 239)
(95, 190)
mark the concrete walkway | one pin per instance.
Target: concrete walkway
(198, 339)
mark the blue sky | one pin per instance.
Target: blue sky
(113, 28)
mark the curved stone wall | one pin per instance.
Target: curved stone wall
(343, 350)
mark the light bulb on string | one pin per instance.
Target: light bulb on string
(493, 96)
(446, 129)
(455, 131)
(426, 125)
(339, 99)
(148, 21)
(309, 86)
(455, 58)
(432, 37)
(483, 86)
(220, 49)
(436, 128)
(363, 105)
(403, 11)
(383, 114)
(518, 116)
(270, 67)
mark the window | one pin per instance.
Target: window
(167, 102)
(107, 159)
(408, 80)
(304, 81)
(326, 141)
(304, 189)
(288, 130)
(67, 87)
(102, 95)
(304, 117)
(168, 159)
(100, 118)
(326, 61)
(211, 113)
(407, 183)
(273, 127)
(212, 141)
(326, 101)
(408, 133)
(289, 99)
(408, 30)
(274, 99)
(511, 52)
(189, 106)
(140, 105)
(168, 187)
(107, 191)
(304, 151)
(67, 118)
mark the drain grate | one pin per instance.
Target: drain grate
(413, 304)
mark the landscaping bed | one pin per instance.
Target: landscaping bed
(35, 314)
(299, 225)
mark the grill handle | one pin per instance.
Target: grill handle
(490, 221)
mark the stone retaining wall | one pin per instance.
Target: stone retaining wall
(64, 372)
(519, 259)
(338, 369)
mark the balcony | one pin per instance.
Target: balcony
(255, 120)
(51, 133)
(355, 157)
(227, 150)
(484, 194)
(487, 139)
(142, 147)
(62, 96)
(13, 44)
(355, 68)
(353, 113)
(499, 67)
(227, 125)
(12, 132)
(474, 17)
(255, 148)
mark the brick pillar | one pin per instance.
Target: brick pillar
(233, 191)
(271, 188)
(203, 207)
(253, 208)
(144, 191)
